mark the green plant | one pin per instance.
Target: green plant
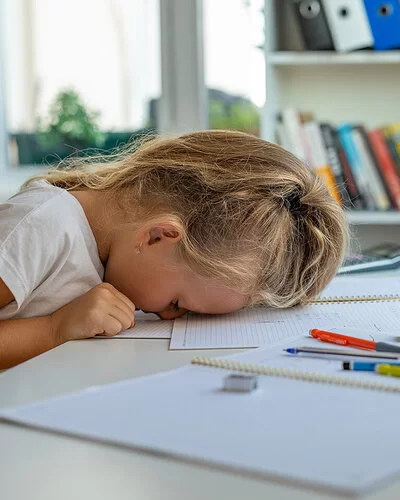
(243, 116)
(69, 121)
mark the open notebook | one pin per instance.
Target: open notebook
(332, 435)
(147, 326)
(373, 304)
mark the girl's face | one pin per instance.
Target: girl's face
(145, 269)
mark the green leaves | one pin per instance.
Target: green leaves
(69, 121)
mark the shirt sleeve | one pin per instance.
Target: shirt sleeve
(29, 252)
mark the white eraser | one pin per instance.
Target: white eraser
(240, 382)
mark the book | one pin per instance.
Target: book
(393, 131)
(281, 135)
(391, 145)
(367, 159)
(293, 131)
(376, 167)
(357, 199)
(386, 165)
(319, 158)
(353, 156)
(335, 163)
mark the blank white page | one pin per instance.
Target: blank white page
(147, 326)
(263, 326)
(332, 437)
(349, 287)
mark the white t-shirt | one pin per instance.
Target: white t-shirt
(48, 253)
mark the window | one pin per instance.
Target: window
(234, 63)
(79, 73)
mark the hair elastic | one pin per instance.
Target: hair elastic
(293, 202)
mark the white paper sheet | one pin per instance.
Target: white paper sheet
(331, 437)
(147, 326)
(262, 326)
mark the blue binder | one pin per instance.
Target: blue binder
(384, 18)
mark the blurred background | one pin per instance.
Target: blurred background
(87, 73)
(320, 77)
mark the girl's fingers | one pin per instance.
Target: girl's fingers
(122, 314)
(112, 326)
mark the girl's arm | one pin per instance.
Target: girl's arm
(102, 310)
(22, 339)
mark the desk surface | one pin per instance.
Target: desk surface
(39, 465)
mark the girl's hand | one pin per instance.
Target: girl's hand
(103, 310)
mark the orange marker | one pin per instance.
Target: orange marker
(338, 339)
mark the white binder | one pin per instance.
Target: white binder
(349, 24)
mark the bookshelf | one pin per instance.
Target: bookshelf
(293, 58)
(359, 87)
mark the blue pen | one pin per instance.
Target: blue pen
(329, 352)
(363, 366)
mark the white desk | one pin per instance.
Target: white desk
(38, 465)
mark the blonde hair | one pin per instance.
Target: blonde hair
(253, 216)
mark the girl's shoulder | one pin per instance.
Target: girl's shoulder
(38, 207)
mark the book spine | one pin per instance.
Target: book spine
(386, 165)
(281, 135)
(294, 133)
(367, 158)
(392, 148)
(356, 197)
(345, 134)
(335, 163)
(377, 165)
(319, 159)
(393, 132)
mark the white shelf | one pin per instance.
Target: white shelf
(333, 58)
(361, 217)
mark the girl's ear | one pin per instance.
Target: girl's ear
(164, 231)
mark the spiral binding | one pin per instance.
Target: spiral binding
(294, 374)
(359, 298)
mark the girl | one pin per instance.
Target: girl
(210, 221)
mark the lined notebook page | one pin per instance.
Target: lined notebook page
(262, 326)
(147, 326)
(367, 287)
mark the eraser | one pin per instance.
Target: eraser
(240, 382)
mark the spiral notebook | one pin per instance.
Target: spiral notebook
(372, 304)
(331, 435)
(345, 289)
(273, 363)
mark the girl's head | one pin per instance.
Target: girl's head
(242, 213)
